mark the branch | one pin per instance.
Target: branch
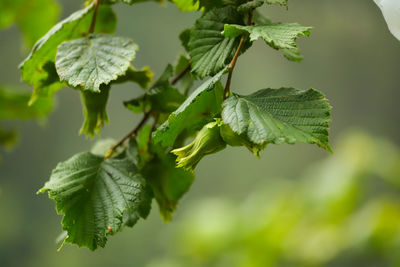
(145, 118)
(96, 8)
(235, 57)
(129, 135)
(180, 75)
(232, 67)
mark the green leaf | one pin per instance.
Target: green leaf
(277, 2)
(94, 195)
(138, 149)
(186, 5)
(162, 96)
(187, 80)
(131, 2)
(184, 36)
(292, 54)
(168, 183)
(197, 110)
(210, 4)
(280, 36)
(38, 68)
(8, 138)
(209, 50)
(45, 89)
(260, 19)
(142, 77)
(253, 4)
(135, 153)
(34, 18)
(235, 140)
(279, 116)
(94, 60)
(246, 7)
(94, 110)
(143, 145)
(14, 105)
(9, 10)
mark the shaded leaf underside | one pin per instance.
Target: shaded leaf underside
(94, 60)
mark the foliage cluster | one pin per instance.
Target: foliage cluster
(99, 192)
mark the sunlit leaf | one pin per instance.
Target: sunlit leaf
(280, 36)
(197, 110)
(187, 5)
(277, 116)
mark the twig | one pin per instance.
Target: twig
(235, 58)
(232, 67)
(129, 135)
(180, 75)
(96, 8)
(145, 118)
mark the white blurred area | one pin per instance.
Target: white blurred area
(391, 12)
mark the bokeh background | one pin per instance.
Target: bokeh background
(296, 206)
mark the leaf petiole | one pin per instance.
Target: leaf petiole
(235, 57)
(93, 24)
(129, 135)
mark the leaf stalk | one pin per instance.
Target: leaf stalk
(235, 58)
(181, 74)
(93, 24)
(134, 132)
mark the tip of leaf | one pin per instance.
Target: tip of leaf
(108, 154)
(166, 217)
(62, 245)
(41, 191)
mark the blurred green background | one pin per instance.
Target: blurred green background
(296, 206)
